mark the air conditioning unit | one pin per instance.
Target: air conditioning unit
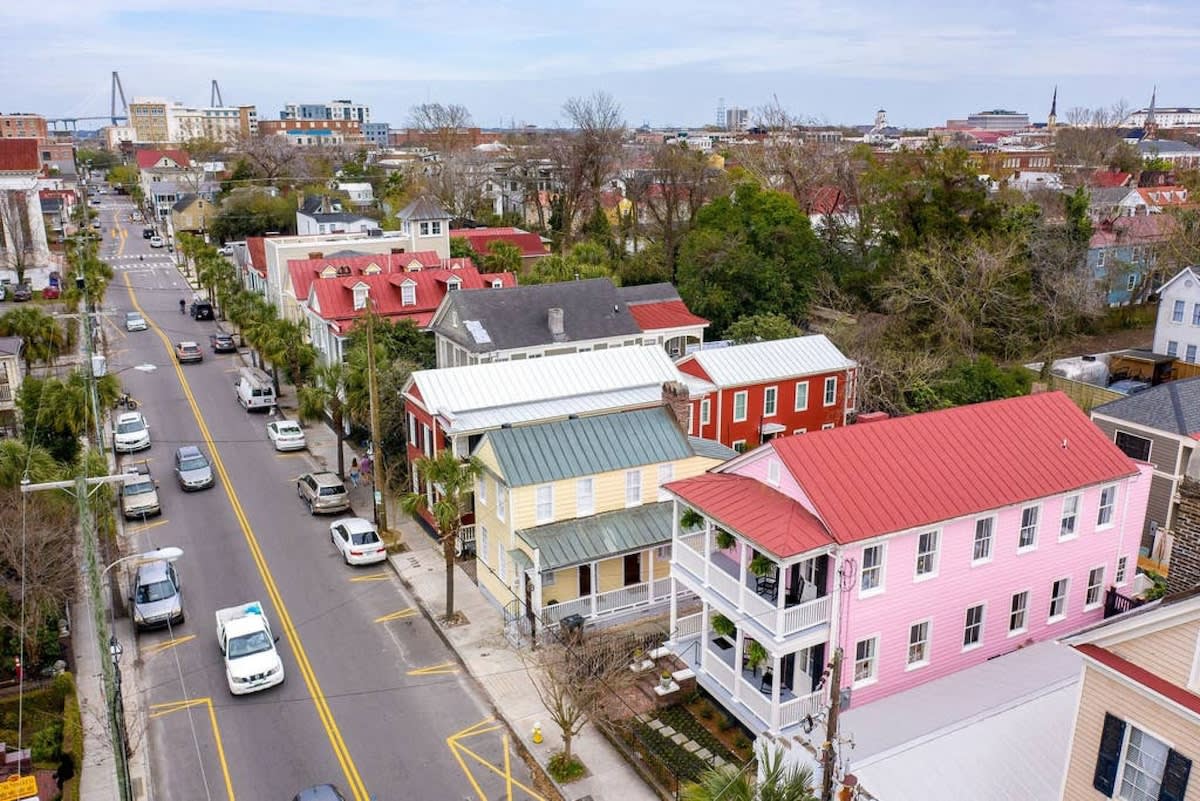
(374, 232)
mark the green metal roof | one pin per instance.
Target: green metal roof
(602, 536)
(585, 446)
(520, 559)
(712, 449)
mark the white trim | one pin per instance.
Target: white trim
(1028, 593)
(745, 396)
(875, 657)
(1037, 522)
(796, 407)
(982, 627)
(825, 391)
(879, 588)
(1194, 679)
(771, 392)
(1052, 618)
(1099, 602)
(928, 623)
(937, 556)
(1062, 516)
(994, 518)
(1112, 510)
(1139, 688)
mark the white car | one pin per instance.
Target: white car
(134, 321)
(130, 433)
(226, 250)
(156, 242)
(358, 541)
(286, 435)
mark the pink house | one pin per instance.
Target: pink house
(916, 546)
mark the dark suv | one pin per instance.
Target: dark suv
(202, 310)
(22, 292)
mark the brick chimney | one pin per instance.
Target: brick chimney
(554, 318)
(676, 398)
(1185, 547)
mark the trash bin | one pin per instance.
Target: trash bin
(572, 627)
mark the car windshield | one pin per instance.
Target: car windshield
(193, 463)
(140, 488)
(288, 430)
(364, 538)
(333, 490)
(249, 644)
(133, 318)
(188, 348)
(130, 427)
(158, 591)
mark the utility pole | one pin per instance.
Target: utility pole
(376, 433)
(831, 726)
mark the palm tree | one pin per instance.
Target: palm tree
(43, 337)
(453, 480)
(732, 783)
(16, 457)
(327, 394)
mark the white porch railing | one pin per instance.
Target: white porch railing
(662, 589)
(689, 626)
(762, 611)
(720, 671)
(793, 711)
(724, 583)
(613, 600)
(689, 558)
(808, 614)
(556, 612)
(757, 702)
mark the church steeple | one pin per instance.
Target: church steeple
(1052, 120)
(1151, 125)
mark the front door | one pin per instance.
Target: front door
(528, 597)
(787, 670)
(585, 581)
(633, 569)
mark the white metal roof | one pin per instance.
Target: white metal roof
(961, 736)
(454, 391)
(768, 361)
(553, 409)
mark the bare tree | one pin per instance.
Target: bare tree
(1093, 138)
(681, 182)
(458, 182)
(587, 156)
(14, 226)
(442, 124)
(271, 156)
(787, 159)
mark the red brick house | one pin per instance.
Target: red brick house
(764, 389)
(334, 290)
(479, 239)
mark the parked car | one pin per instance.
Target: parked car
(139, 493)
(22, 292)
(156, 242)
(134, 321)
(51, 293)
(148, 232)
(157, 598)
(286, 435)
(3, 291)
(222, 343)
(130, 433)
(201, 310)
(226, 250)
(320, 792)
(323, 491)
(358, 541)
(192, 469)
(188, 351)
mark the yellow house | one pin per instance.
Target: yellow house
(192, 213)
(1137, 725)
(570, 516)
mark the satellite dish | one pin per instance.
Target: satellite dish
(806, 723)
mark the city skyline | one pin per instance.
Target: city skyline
(666, 66)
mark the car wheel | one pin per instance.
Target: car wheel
(346, 558)
(299, 492)
(311, 509)
(182, 618)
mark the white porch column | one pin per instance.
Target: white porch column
(704, 635)
(742, 574)
(779, 597)
(707, 548)
(7, 217)
(37, 228)
(674, 610)
(650, 577)
(776, 684)
(737, 664)
(595, 586)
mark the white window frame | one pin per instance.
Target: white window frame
(968, 625)
(773, 472)
(408, 294)
(633, 488)
(1095, 585)
(737, 443)
(925, 643)
(1125, 764)
(662, 552)
(481, 546)
(990, 539)
(932, 571)
(1196, 314)
(412, 429)
(1172, 348)
(1060, 599)
(549, 578)
(543, 504)
(871, 659)
(877, 570)
(830, 396)
(1032, 528)
(501, 502)
(827, 426)
(481, 493)
(585, 496)
(1024, 595)
(741, 397)
(1122, 574)
(1103, 520)
(1189, 354)
(705, 412)
(1070, 512)
(801, 400)
(770, 401)
(666, 474)
(1177, 311)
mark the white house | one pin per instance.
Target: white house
(1177, 331)
(360, 193)
(322, 215)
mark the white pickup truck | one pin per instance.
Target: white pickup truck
(251, 661)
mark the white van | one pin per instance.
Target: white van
(254, 389)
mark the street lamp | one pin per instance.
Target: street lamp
(170, 553)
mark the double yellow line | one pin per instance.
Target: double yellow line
(340, 750)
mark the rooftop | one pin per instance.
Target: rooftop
(767, 361)
(1173, 407)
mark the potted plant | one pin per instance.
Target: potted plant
(690, 520)
(723, 626)
(762, 566)
(665, 680)
(756, 655)
(724, 539)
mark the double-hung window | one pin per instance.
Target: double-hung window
(1027, 538)
(666, 473)
(984, 529)
(705, 411)
(1177, 312)
(927, 554)
(830, 390)
(501, 498)
(973, 627)
(871, 577)
(739, 406)
(1070, 517)
(585, 497)
(1095, 588)
(918, 644)
(1018, 612)
(1058, 599)
(1108, 500)
(770, 401)
(544, 504)
(866, 660)
(633, 488)
(801, 396)
(1134, 765)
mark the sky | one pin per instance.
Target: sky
(667, 63)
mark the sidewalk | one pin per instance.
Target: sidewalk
(481, 645)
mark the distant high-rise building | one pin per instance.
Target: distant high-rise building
(157, 120)
(333, 110)
(23, 126)
(376, 133)
(737, 119)
(998, 120)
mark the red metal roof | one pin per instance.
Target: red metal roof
(335, 296)
(480, 238)
(19, 155)
(665, 314)
(893, 475)
(1139, 675)
(304, 271)
(765, 516)
(147, 159)
(257, 249)
(1107, 179)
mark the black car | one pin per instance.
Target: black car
(222, 343)
(202, 310)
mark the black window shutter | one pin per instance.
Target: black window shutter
(1110, 754)
(1175, 777)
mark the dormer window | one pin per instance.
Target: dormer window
(372, 269)
(408, 293)
(497, 283)
(431, 228)
(329, 272)
(453, 285)
(360, 296)
(413, 266)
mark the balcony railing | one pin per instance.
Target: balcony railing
(610, 602)
(755, 700)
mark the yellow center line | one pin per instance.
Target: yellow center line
(158, 648)
(146, 527)
(179, 706)
(340, 750)
(398, 615)
(435, 670)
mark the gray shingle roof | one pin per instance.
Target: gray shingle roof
(1173, 407)
(423, 208)
(711, 449)
(648, 293)
(585, 446)
(1150, 146)
(11, 346)
(518, 317)
(577, 542)
(184, 202)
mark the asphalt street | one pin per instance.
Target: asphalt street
(374, 701)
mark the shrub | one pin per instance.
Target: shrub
(725, 723)
(707, 712)
(565, 771)
(741, 742)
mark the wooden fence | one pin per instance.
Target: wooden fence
(1086, 396)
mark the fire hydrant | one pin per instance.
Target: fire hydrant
(537, 733)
